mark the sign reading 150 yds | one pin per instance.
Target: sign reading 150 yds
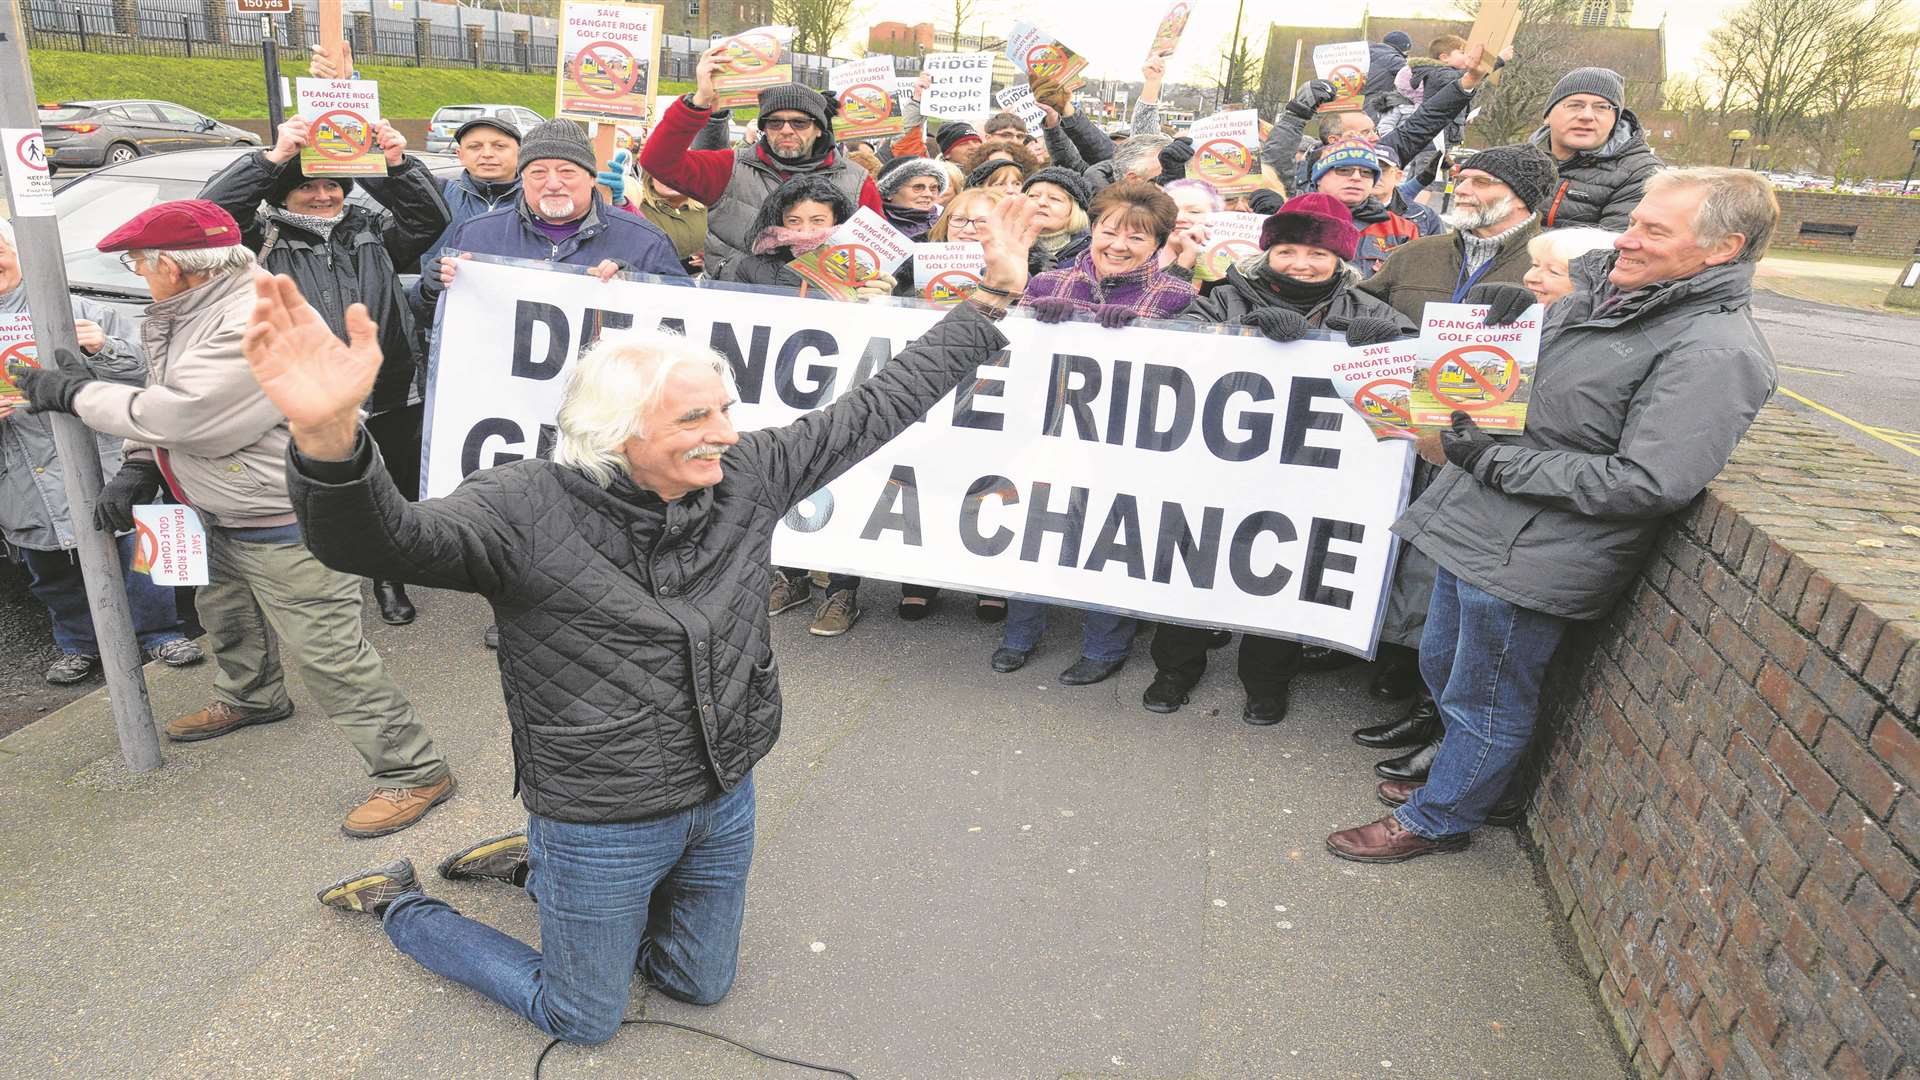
(1204, 478)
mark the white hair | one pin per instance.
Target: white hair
(614, 385)
(233, 259)
(1732, 202)
(1140, 152)
(1567, 245)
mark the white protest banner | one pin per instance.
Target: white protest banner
(1344, 64)
(1226, 151)
(16, 347)
(29, 175)
(342, 113)
(1049, 64)
(1376, 382)
(946, 273)
(1468, 366)
(1229, 487)
(755, 59)
(170, 545)
(962, 87)
(609, 61)
(864, 89)
(1231, 236)
(1018, 100)
(855, 253)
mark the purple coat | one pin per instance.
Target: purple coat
(1153, 293)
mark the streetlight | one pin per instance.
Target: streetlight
(1913, 134)
(1738, 135)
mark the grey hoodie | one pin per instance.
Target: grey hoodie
(1601, 187)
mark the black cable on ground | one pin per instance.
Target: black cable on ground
(541, 1060)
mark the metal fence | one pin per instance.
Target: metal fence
(181, 28)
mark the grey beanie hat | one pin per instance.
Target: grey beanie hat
(557, 138)
(1524, 167)
(1602, 82)
(798, 98)
(895, 174)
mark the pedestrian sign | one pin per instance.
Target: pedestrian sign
(29, 178)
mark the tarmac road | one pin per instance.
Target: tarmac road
(1856, 373)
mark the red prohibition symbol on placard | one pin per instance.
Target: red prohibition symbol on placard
(146, 553)
(610, 66)
(759, 51)
(857, 271)
(1223, 159)
(1496, 395)
(1347, 79)
(1370, 401)
(949, 284)
(333, 121)
(865, 103)
(1046, 61)
(35, 162)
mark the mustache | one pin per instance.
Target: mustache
(706, 452)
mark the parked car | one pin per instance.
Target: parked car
(96, 204)
(87, 133)
(448, 118)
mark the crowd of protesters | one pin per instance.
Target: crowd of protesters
(1508, 541)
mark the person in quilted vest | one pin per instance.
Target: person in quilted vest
(629, 579)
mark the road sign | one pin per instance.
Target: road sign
(263, 7)
(29, 179)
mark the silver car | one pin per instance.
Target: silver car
(89, 133)
(448, 118)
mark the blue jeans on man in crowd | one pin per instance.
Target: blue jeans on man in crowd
(1104, 636)
(57, 584)
(1485, 660)
(663, 897)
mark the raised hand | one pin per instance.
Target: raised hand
(392, 144)
(292, 136)
(703, 72)
(316, 380)
(1012, 227)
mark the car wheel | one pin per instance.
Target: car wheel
(120, 154)
(245, 142)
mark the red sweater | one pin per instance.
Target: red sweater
(703, 174)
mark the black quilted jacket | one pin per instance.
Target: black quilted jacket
(634, 654)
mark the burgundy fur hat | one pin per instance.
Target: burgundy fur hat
(1318, 220)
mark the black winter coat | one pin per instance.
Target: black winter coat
(355, 263)
(1602, 186)
(634, 651)
(1236, 294)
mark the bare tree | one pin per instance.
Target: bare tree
(1781, 63)
(816, 23)
(1240, 64)
(1546, 47)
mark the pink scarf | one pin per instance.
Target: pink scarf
(774, 237)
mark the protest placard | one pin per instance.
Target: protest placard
(170, 545)
(1018, 100)
(855, 253)
(1467, 366)
(864, 89)
(1376, 382)
(946, 273)
(1226, 151)
(1180, 475)
(28, 171)
(341, 113)
(754, 60)
(1344, 64)
(609, 61)
(1172, 25)
(1051, 67)
(962, 87)
(16, 347)
(1231, 236)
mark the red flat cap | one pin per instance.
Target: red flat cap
(181, 225)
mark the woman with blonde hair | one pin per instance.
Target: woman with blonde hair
(1551, 252)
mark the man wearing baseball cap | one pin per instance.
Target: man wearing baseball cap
(1601, 150)
(489, 151)
(796, 138)
(203, 428)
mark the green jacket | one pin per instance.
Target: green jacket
(1427, 270)
(686, 226)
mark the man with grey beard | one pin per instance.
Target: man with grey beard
(1498, 197)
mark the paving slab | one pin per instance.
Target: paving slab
(959, 875)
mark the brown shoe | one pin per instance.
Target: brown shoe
(1504, 812)
(1386, 841)
(391, 809)
(218, 719)
(1396, 792)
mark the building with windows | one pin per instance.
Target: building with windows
(720, 16)
(1605, 12)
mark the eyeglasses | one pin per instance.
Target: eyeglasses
(1580, 108)
(780, 123)
(127, 260)
(966, 223)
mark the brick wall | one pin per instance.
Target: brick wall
(1885, 226)
(1727, 810)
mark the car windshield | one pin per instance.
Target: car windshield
(95, 207)
(64, 112)
(457, 116)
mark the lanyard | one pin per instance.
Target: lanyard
(1464, 281)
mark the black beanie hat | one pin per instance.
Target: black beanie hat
(797, 98)
(979, 173)
(290, 177)
(1524, 167)
(952, 132)
(1066, 179)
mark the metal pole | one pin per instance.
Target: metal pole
(186, 33)
(38, 238)
(270, 61)
(1910, 166)
(1735, 156)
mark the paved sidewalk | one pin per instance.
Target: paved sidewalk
(959, 875)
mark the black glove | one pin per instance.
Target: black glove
(1314, 94)
(1278, 323)
(138, 481)
(1367, 330)
(1505, 303)
(1465, 443)
(48, 390)
(1175, 155)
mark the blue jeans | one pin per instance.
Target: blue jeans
(1104, 636)
(57, 584)
(662, 897)
(1484, 659)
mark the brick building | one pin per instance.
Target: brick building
(722, 16)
